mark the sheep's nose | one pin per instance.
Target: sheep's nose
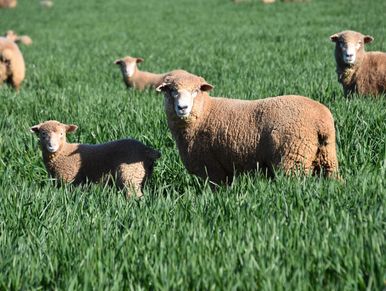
(182, 107)
(349, 55)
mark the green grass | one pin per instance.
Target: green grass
(292, 233)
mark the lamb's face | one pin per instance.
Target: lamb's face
(52, 134)
(181, 90)
(350, 45)
(128, 65)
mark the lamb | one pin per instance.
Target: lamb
(24, 39)
(359, 71)
(127, 162)
(134, 78)
(8, 3)
(218, 137)
(11, 63)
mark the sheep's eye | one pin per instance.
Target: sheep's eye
(174, 93)
(61, 134)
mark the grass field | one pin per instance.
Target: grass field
(293, 233)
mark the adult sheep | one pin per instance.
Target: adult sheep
(12, 63)
(359, 71)
(217, 137)
(135, 78)
(8, 3)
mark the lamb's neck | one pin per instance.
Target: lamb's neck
(50, 159)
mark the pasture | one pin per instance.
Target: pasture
(293, 233)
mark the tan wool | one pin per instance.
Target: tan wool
(359, 71)
(8, 3)
(221, 137)
(127, 162)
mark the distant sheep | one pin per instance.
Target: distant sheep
(8, 3)
(359, 71)
(218, 137)
(12, 60)
(47, 3)
(24, 39)
(134, 78)
(127, 161)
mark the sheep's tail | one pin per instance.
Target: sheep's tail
(326, 162)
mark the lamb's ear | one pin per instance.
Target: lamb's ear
(206, 87)
(118, 61)
(139, 60)
(71, 128)
(162, 87)
(35, 129)
(368, 39)
(334, 37)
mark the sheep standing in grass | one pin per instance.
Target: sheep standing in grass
(218, 137)
(8, 3)
(127, 161)
(12, 60)
(134, 78)
(359, 71)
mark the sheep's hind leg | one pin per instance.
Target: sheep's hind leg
(130, 177)
(326, 162)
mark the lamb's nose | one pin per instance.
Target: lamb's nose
(349, 55)
(182, 107)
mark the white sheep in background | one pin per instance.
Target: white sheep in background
(134, 78)
(12, 63)
(359, 71)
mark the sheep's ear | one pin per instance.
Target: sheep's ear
(368, 39)
(71, 128)
(334, 37)
(139, 60)
(162, 87)
(35, 129)
(118, 61)
(206, 87)
(24, 39)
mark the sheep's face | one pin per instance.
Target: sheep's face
(128, 65)
(181, 90)
(350, 45)
(52, 134)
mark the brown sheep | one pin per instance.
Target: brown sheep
(359, 71)
(127, 161)
(8, 3)
(134, 78)
(218, 137)
(12, 59)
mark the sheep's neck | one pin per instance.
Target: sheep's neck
(188, 127)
